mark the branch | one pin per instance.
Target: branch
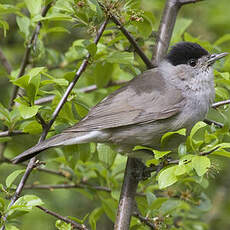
(5, 62)
(9, 133)
(65, 219)
(66, 186)
(164, 33)
(220, 103)
(26, 56)
(210, 122)
(209, 152)
(144, 220)
(132, 41)
(127, 196)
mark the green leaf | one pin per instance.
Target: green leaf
(5, 26)
(35, 71)
(94, 217)
(223, 39)
(92, 48)
(168, 134)
(24, 25)
(60, 225)
(180, 170)
(110, 207)
(172, 205)
(2, 204)
(201, 164)
(106, 154)
(196, 127)
(102, 74)
(11, 227)
(10, 179)
(160, 154)
(167, 177)
(150, 198)
(5, 114)
(180, 27)
(156, 204)
(144, 27)
(34, 6)
(120, 58)
(27, 111)
(22, 81)
(32, 127)
(23, 205)
(29, 201)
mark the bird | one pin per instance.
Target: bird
(174, 95)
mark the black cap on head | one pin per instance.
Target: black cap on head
(182, 52)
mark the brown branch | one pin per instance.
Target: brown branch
(66, 186)
(26, 56)
(74, 224)
(5, 62)
(144, 220)
(11, 133)
(209, 152)
(127, 196)
(210, 122)
(165, 30)
(132, 41)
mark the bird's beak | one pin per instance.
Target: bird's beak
(214, 57)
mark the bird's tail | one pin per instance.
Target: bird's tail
(55, 141)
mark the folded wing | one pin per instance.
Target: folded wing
(146, 98)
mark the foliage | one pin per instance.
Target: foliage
(176, 197)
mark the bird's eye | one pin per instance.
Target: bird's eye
(192, 62)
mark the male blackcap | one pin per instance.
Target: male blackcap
(176, 94)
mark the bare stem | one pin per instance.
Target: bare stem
(74, 224)
(220, 103)
(127, 196)
(144, 220)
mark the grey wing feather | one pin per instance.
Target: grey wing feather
(146, 98)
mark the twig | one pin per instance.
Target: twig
(26, 56)
(41, 120)
(65, 219)
(220, 103)
(164, 33)
(145, 59)
(9, 133)
(66, 186)
(209, 152)
(127, 197)
(184, 2)
(144, 220)
(210, 122)
(5, 62)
